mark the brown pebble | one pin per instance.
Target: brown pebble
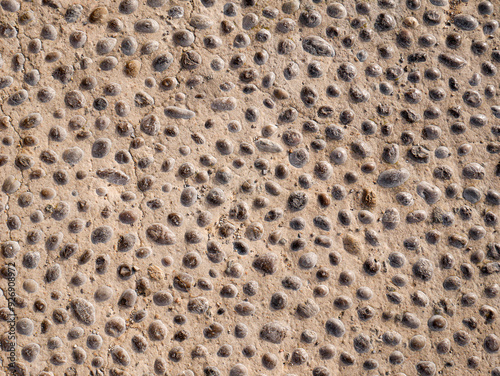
(98, 15)
(368, 198)
(351, 244)
(132, 68)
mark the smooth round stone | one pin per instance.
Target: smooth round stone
(442, 152)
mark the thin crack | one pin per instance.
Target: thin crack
(139, 230)
(7, 206)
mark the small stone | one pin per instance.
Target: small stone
(132, 68)
(351, 244)
(147, 26)
(84, 311)
(452, 61)
(317, 46)
(160, 234)
(465, 22)
(268, 146)
(429, 192)
(274, 332)
(393, 178)
(98, 15)
(179, 113)
(267, 264)
(423, 269)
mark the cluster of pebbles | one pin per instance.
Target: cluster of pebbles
(243, 188)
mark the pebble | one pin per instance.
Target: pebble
(391, 218)
(160, 234)
(336, 11)
(423, 269)
(84, 311)
(393, 178)
(273, 332)
(465, 22)
(178, 113)
(146, 26)
(317, 46)
(429, 192)
(452, 61)
(224, 104)
(267, 264)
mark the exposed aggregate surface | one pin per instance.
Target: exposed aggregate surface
(251, 188)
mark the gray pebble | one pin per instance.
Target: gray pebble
(176, 12)
(83, 310)
(18, 98)
(393, 178)
(183, 38)
(335, 327)
(103, 293)
(336, 10)
(146, 26)
(472, 194)
(200, 22)
(429, 192)
(308, 260)
(391, 218)
(178, 113)
(390, 153)
(224, 104)
(317, 46)
(452, 61)
(465, 22)
(473, 171)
